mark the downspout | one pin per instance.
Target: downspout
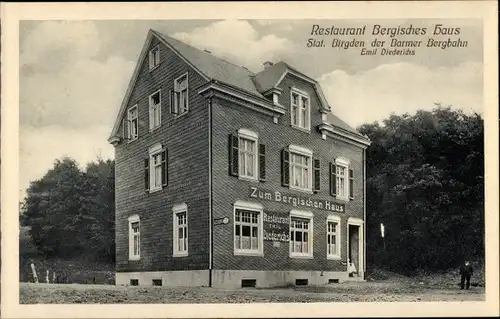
(364, 213)
(210, 228)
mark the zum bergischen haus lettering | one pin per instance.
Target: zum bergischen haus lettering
(295, 200)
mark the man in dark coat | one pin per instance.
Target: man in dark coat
(465, 274)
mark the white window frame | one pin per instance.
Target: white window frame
(307, 121)
(154, 151)
(131, 220)
(152, 108)
(338, 237)
(254, 207)
(244, 134)
(298, 150)
(176, 210)
(130, 136)
(294, 213)
(344, 163)
(154, 60)
(178, 90)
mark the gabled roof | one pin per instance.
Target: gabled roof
(211, 67)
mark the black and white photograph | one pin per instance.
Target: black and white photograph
(232, 159)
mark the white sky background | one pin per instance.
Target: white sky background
(73, 76)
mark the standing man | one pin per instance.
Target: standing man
(465, 274)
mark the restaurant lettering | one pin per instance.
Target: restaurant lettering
(276, 226)
(296, 201)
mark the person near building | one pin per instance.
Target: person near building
(466, 272)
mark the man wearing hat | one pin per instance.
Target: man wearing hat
(465, 274)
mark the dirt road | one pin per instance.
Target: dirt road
(343, 292)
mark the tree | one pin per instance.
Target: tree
(425, 183)
(71, 212)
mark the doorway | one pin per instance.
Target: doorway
(355, 248)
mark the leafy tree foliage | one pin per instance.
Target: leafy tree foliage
(425, 184)
(71, 212)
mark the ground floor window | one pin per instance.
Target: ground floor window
(301, 231)
(134, 237)
(248, 229)
(333, 237)
(180, 232)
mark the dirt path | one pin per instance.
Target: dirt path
(345, 292)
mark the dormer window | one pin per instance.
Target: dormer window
(154, 57)
(300, 110)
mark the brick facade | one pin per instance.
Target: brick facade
(197, 148)
(186, 139)
(227, 189)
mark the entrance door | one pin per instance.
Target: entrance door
(355, 247)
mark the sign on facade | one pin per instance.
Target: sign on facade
(276, 227)
(295, 200)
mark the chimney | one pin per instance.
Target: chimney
(267, 64)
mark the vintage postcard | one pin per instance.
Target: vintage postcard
(258, 159)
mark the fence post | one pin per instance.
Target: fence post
(35, 277)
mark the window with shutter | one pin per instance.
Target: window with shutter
(301, 168)
(342, 179)
(245, 155)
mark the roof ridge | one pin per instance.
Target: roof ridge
(202, 51)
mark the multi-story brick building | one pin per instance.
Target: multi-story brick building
(225, 177)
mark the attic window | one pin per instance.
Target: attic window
(300, 110)
(154, 57)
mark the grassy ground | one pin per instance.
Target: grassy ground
(342, 292)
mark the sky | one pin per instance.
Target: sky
(73, 75)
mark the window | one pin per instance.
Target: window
(154, 58)
(181, 95)
(301, 234)
(248, 237)
(341, 180)
(156, 168)
(247, 154)
(247, 158)
(180, 232)
(300, 168)
(300, 109)
(134, 238)
(155, 110)
(298, 171)
(333, 237)
(133, 123)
